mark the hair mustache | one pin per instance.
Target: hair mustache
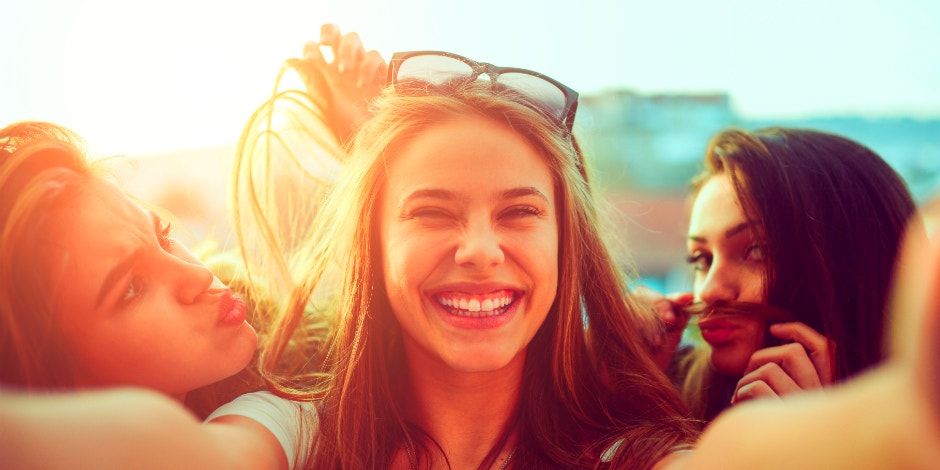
(768, 313)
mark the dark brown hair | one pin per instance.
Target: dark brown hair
(832, 214)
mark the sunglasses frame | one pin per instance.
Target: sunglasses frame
(494, 71)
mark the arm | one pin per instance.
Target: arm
(125, 428)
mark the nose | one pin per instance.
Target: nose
(479, 247)
(189, 276)
(719, 284)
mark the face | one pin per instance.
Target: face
(469, 245)
(728, 258)
(136, 307)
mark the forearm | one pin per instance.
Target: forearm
(118, 429)
(874, 422)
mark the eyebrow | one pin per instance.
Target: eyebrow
(450, 195)
(728, 233)
(523, 192)
(121, 269)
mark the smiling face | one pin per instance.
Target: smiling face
(136, 307)
(469, 242)
(728, 257)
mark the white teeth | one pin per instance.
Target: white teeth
(474, 307)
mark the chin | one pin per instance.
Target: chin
(730, 363)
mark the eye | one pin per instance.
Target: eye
(522, 211)
(699, 260)
(428, 213)
(133, 290)
(756, 252)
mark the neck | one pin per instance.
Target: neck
(466, 413)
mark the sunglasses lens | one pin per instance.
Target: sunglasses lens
(441, 71)
(437, 70)
(542, 93)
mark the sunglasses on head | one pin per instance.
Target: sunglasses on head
(443, 70)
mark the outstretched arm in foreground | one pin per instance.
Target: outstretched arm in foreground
(125, 428)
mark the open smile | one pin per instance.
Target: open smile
(476, 305)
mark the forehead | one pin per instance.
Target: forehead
(715, 207)
(465, 152)
(92, 232)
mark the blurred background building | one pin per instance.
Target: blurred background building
(645, 149)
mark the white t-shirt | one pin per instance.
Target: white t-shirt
(293, 423)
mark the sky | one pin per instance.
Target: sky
(147, 77)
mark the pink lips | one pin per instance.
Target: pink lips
(717, 332)
(232, 309)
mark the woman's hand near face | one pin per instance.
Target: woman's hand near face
(344, 84)
(664, 338)
(802, 364)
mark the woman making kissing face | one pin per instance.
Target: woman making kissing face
(93, 292)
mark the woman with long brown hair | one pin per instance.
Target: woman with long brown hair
(793, 238)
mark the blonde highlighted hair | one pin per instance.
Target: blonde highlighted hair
(589, 383)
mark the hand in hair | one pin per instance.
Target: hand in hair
(664, 336)
(343, 84)
(804, 363)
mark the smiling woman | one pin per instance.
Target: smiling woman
(503, 211)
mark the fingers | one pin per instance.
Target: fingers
(329, 35)
(372, 70)
(768, 380)
(349, 54)
(791, 359)
(753, 389)
(681, 299)
(819, 349)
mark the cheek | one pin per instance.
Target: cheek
(752, 286)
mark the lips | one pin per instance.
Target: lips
(717, 331)
(232, 310)
(477, 310)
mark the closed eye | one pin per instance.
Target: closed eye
(428, 213)
(523, 211)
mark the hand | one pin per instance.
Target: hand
(664, 338)
(803, 364)
(343, 86)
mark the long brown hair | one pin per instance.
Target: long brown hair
(40, 165)
(832, 214)
(589, 385)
